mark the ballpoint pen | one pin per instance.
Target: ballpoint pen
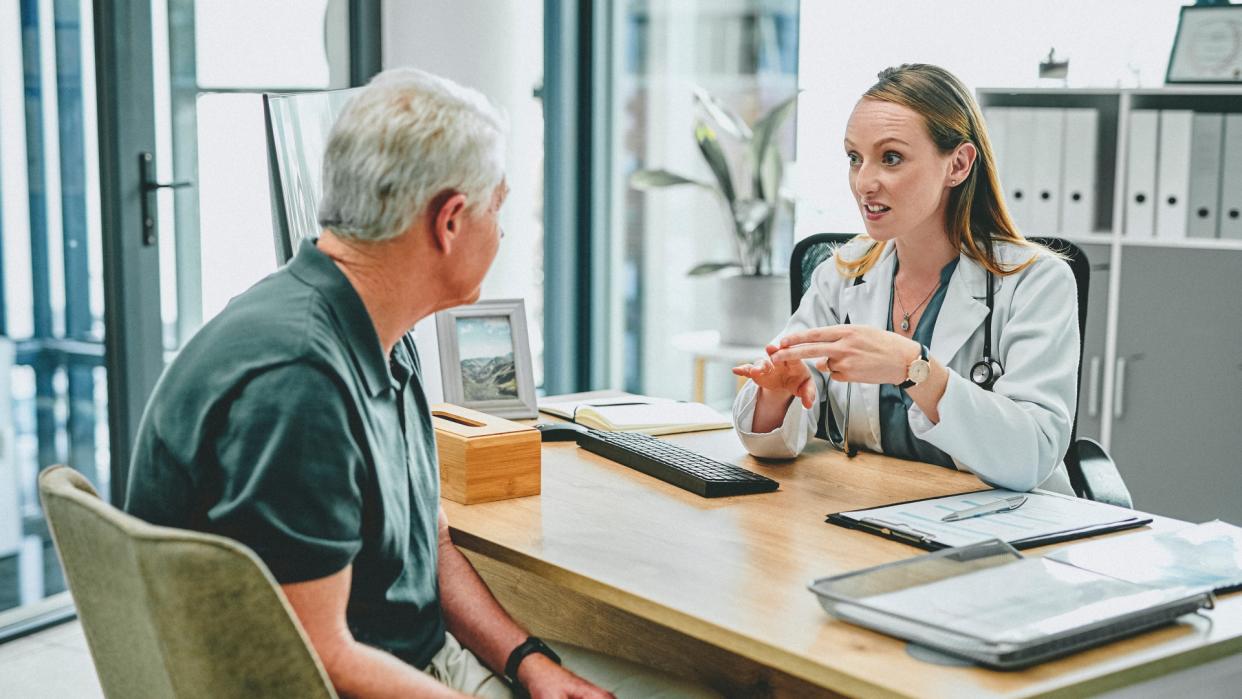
(987, 508)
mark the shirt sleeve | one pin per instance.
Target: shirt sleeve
(292, 473)
(788, 439)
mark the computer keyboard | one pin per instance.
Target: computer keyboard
(673, 464)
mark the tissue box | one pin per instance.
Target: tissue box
(484, 458)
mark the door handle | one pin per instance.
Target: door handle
(146, 175)
(1119, 384)
(1093, 387)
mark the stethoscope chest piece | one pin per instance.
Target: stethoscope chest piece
(985, 372)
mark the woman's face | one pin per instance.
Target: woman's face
(899, 178)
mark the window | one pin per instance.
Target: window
(745, 53)
(51, 290)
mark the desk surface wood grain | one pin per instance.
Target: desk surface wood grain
(733, 572)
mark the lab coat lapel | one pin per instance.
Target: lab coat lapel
(965, 308)
(867, 304)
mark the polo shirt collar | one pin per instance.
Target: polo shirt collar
(358, 331)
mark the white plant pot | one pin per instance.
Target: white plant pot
(753, 309)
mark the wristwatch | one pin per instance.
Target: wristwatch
(919, 370)
(525, 648)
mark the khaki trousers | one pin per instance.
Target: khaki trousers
(458, 668)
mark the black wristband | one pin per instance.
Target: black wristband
(525, 648)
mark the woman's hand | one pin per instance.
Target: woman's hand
(784, 379)
(855, 353)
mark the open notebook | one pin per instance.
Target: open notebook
(634, 413)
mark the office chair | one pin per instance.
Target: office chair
(1092, 472)
(174, 613)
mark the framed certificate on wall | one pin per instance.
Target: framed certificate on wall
(1208, 46)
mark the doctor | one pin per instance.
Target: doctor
(911, 354)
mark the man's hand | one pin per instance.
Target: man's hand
(544, 679)
(856, 353)
(782, 378)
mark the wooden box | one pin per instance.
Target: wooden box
(484, 458)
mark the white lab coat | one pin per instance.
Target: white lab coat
(1014, 436)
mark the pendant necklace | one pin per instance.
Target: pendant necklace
(905, 315)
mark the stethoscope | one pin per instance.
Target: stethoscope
(985, 373)
(988, 370)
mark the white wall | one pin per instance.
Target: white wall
(986, 43)
(496, 48)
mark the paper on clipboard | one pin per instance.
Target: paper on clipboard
(1044, 515)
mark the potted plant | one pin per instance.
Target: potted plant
(752, 295)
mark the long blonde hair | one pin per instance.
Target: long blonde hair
(976, 214)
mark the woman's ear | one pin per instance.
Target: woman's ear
(446, 224)
(962, 161)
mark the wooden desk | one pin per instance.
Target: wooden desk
(716, 589)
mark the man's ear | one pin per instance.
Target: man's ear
(962, 162)
(448, 211)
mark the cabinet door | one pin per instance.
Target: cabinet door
(1177, 436)
(1090, 398)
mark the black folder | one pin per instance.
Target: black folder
(910, 522)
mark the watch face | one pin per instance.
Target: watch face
(919, 370)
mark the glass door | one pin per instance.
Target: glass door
(212, 62)
(52, 324)
(105, 110)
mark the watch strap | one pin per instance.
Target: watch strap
(532, 644)
(923, 353)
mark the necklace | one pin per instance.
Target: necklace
(905, 315)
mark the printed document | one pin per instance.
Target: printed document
(1043, 515)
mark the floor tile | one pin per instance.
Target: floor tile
(49, 672)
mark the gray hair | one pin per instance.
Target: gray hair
(406, 137)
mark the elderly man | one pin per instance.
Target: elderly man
(295, 421)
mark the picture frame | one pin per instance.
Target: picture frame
(1208, 46)
(485, 362)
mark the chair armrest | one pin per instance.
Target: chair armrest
(1098, 479)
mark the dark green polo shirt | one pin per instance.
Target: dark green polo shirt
(282, 425)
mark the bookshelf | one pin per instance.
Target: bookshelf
(1162, 361)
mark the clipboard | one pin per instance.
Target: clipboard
(1046, 518)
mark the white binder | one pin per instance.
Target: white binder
(1231, 180)
(996, 120)
(1017, 171)
(1078, 168)
(1206, 139)
(1141, 174)
(1045, 204)
(1173, 180)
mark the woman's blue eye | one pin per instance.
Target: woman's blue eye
(891, 158)
(854, 159)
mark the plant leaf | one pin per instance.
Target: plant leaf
(726, 119)
(769, 176)
(765, 130)
(711, 268)
(714, 155)
(654, 179)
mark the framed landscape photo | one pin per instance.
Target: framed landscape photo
(485, 358)
(1208, 46)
